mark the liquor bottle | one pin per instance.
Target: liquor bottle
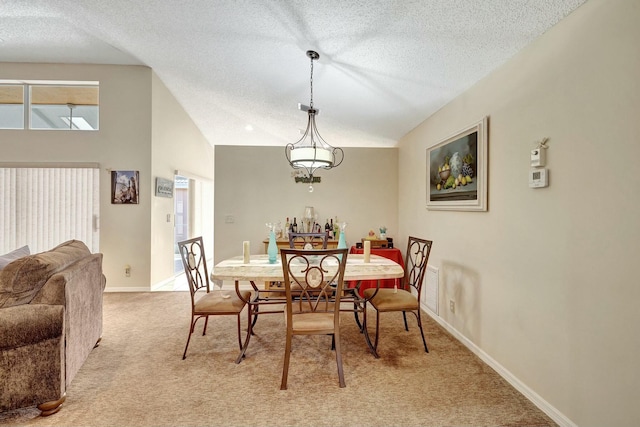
(328, 230)
(336, 228)
(286, 229)
(294, 227)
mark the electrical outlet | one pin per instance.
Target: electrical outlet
(127, 270)
(452, 306)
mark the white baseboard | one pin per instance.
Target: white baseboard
(535, 398)
(125, 289)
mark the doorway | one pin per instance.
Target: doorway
(181, 213)
(193, 211)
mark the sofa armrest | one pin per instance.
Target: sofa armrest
(22, 325)
(80, 289)
(32, 365)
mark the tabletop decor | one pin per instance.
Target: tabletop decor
(383, 232)
(457, 171)
(272, 249)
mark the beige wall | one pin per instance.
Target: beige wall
(122, 143)
(545, 281)
(177, 145)
(255, 186)
(141, 128)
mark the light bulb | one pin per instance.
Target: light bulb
(310, 188)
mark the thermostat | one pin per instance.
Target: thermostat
(537, 157)
(538, 178)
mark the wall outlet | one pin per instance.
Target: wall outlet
(127, 270)
(452, 306)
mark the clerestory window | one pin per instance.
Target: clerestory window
(50, 105)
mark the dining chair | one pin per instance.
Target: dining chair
(312, 303)
(407, 297)
(204, 302)
(308, 240)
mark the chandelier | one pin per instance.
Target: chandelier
(311, 152)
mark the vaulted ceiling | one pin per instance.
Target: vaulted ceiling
(239, 68)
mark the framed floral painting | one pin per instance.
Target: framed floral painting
(457, 170)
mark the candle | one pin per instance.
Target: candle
(245, 252)
(367, 250)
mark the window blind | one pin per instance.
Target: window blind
(43, 207)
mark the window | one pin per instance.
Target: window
(11, 106)
(45, 206)
(50, 104)
(64, 107)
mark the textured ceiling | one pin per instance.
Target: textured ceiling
(384, 66)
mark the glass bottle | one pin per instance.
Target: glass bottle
(294, 227)
(342, 241)
(272, 249)
(286, 229)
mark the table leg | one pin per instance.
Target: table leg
(249, 327)
(365, 331)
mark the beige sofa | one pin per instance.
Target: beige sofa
(50, 320)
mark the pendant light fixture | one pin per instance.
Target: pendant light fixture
(311, 152)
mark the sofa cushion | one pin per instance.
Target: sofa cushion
(13, 255)
(23, 278)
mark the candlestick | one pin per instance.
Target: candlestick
(246, 252)
(367, 251)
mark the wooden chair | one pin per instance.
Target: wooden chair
(312, 303)
(406, 299)
(205, 303)
(308, 240)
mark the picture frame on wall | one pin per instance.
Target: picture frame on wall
(125, 187)
(164, 187)
(457, 170)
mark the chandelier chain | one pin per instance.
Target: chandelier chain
(311, 84)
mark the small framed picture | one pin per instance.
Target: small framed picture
(125, 187)
(164, 187)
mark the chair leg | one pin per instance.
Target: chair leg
(404, 315)
(191, 328)
(422, 333)
(375, 344)
(285, 366)
(206, 322)
(336, 337)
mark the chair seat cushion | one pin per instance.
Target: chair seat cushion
(213, 302)
(388, 300)
(312, 323)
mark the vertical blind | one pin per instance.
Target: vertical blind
(43, 207)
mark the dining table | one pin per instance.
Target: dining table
(393, 254)
(259, 269)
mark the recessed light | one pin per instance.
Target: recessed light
(248, 128)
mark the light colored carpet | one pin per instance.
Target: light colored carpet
(137, 377)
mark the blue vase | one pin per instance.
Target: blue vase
(342, 243)
(272, 249)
